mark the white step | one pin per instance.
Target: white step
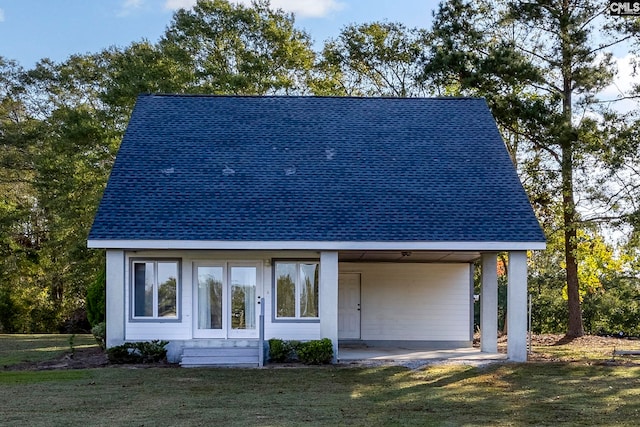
(220, 356)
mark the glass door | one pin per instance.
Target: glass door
(226, 300)
(210, 295)
(242, 284)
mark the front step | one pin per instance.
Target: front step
(221, 356)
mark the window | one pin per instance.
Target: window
(296, 292)
(155, 289)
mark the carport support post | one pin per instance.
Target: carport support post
(489, 303)
(328, 299)
(517, 307)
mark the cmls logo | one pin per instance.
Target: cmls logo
(624, 8)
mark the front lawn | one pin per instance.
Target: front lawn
(579, 392)
(21, 348)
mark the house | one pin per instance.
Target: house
(354, 219)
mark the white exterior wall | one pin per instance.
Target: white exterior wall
(137, 330)
(414, 302)
(400, 302)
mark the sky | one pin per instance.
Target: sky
(31, 30)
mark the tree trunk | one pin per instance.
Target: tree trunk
(568, 138)
(575, 328)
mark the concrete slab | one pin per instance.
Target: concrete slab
(399, 355)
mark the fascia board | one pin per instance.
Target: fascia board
(313, 245)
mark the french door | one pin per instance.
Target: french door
(226, 300)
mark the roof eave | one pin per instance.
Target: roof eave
(315, 245)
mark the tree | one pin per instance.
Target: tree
(22, 306)
(544, 62)
(223, 48)
(377, 59)
(69, 150)
(61, 124)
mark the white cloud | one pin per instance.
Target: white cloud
(179, 4)
(623, 83)
(130, 6)
(301, 8)
(307, 8)
(1, 15)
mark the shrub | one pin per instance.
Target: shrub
(96, 299)
(99, 332)
(138, 352)
(75, 323)
(283, 351)
(315, 352)
(279, 350)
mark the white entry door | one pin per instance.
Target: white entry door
(349, 306)
(226, 300)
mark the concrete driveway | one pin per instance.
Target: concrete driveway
(397, 355)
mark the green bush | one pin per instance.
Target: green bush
(99, 332)
(138, 352)
(283, 351)
(97, 299)
(279, 350)
(315, 352)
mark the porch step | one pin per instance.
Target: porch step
(220, 356)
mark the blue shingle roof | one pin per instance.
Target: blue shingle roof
(313, 169)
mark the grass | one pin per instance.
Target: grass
(589, 349)
(16, 349)
(581, 392)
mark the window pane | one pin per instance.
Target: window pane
(309, 290)
(285, 290)
(143, 289)
(167, 289)
(210, 297)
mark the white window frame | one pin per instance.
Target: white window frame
(132, 291)
(298, 291)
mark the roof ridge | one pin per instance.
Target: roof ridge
(204, 95)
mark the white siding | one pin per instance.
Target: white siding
(140, 330)
(183, 330)
(414, 302)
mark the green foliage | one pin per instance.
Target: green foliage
(281, 351)
(614, 310)
(315, 352)
(138, 352)
(227, 48)
(8, 309)
(542, 66)
(72, 348)
(376, 59)
(99, 332)
(540, 69)
(97, 299)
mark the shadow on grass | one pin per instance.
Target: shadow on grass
(18, 348)
(446, 394)
(566, 339)
(520, 394)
